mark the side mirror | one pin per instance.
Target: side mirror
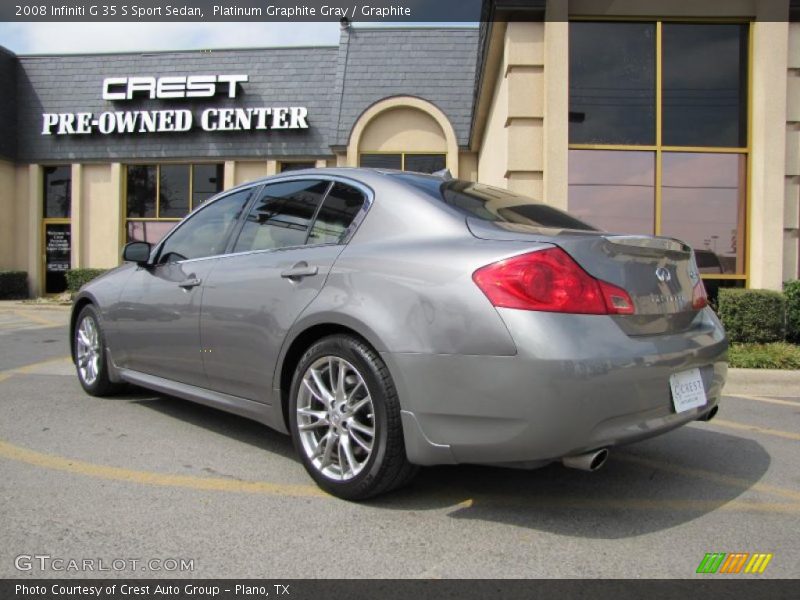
(137, 252)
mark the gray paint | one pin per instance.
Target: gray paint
(8, 122)
(476, 384)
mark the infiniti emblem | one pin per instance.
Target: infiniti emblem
(662, 274)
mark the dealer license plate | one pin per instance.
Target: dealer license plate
(687, 390)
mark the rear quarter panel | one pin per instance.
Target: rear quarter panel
(416, 296)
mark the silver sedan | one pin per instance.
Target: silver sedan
(388, 320)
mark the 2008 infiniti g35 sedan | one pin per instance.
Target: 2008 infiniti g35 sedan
(388, 320)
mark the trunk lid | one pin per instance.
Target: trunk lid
(659, 273)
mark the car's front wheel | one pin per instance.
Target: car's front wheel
(344, 416)
(90, 357)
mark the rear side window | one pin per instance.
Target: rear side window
(281, 217)
(341, 206)
(493, 204)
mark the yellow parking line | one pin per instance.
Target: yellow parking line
(37, 319)
(78, 467)
(789, 435)
(713, 476)
(32, 367)
(59, 463)
(767, 400)
(670, 505)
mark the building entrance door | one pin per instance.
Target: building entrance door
(56, 253)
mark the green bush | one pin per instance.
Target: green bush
(791, 289)
(779, 355)
(752, 316)
(13, 285)
(76, 278)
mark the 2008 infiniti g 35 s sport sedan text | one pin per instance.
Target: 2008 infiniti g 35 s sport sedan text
(388, 320)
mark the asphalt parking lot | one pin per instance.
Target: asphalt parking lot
(142, 477)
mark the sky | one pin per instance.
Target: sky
(52, 38)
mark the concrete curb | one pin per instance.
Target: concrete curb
(22, 305)
(763, 382)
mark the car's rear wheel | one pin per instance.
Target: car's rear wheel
(344, 416)
(90, 356)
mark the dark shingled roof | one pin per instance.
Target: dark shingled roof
(8, 77)
(336, 84)
(437, 65)
(278, 77)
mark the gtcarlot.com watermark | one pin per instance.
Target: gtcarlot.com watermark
(47, 562)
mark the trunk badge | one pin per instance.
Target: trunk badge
(663, 274)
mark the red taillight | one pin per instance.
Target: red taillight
(699, 297)
(549, 280)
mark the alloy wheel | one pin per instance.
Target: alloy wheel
(87, 350)
(335, 418)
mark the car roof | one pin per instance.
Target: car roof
(363, 174)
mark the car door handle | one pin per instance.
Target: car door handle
(189, 283)
(299, 271)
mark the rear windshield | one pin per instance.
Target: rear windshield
(493, 204)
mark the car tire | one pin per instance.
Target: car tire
(88, 344)
(341, 390)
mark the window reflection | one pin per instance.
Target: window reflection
(612, 83)
(705, 85)
(420, 163)
(424, 163)
(703, 204)
(382, 161)
(296, 166)
(207, 181)
(173, 191)
(164, 192)
(614, 191)
(149, 231)
(141, 200)
(57, 192)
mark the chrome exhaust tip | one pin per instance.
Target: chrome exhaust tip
(591, 461)
(710, 414)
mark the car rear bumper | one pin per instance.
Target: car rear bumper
(577, 383)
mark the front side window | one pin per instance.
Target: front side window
(282, 215)
(669, 154)
(206, 233)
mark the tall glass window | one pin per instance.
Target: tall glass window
(159, 196)
(612, 83)
(57, 192)
(286, 166)
(658, 134)
(404, 161)
(613, 190)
